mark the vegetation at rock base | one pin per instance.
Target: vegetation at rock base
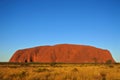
(61, 71)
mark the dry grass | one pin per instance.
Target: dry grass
(60, 72)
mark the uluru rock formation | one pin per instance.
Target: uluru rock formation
(66, 53)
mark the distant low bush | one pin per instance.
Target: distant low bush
(108, 62)
(111, 66)
(53, 64)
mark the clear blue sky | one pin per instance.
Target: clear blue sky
(30, 23)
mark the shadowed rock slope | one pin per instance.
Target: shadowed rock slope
(66, 53)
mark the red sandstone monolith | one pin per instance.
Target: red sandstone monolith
(64, 53)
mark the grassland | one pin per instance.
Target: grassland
(59, 71)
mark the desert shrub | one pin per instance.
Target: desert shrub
(53, 64)
(103, 75)
(111, 66)
(67, 77)
(44, 76)
(70, 76)
(22, 74)
(97, 77)
(118, 67)
(47, 76)
(19, 76)
(42, 70)
(75, 70)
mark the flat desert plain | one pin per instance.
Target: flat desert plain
(59, 71)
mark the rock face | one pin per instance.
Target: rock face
(66, 53)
